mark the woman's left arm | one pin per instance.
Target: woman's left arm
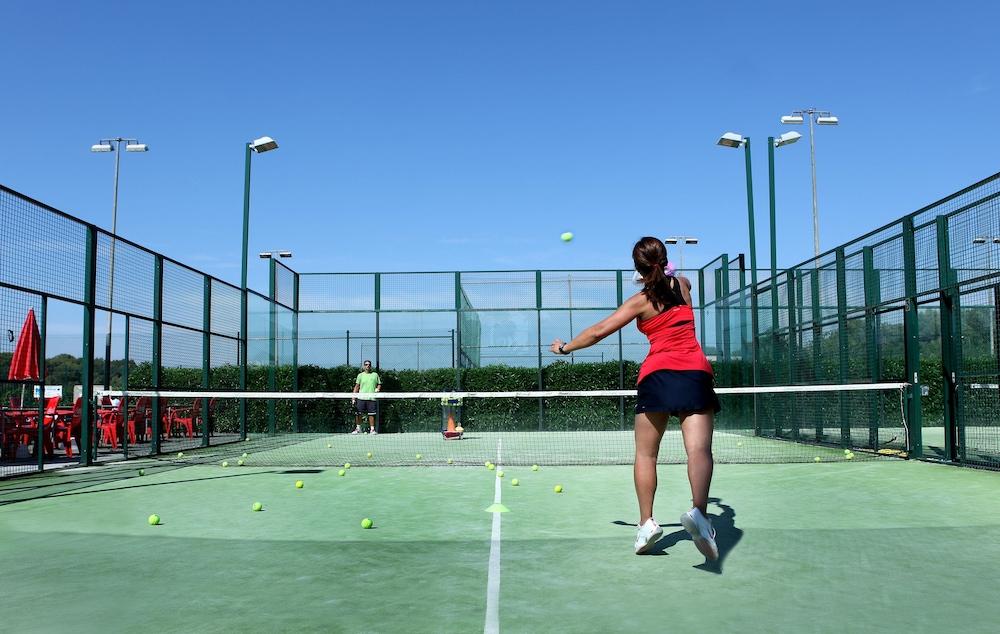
(614, 322)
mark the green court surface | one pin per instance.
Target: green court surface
(883, 545)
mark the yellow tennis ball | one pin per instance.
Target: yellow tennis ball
(367, 523)
(534, 467)
(180, 454)
(450, 461)
(347, 465)
(342, 472)
(142, 472)
(817, 459)
(328, 445)
(515, 482)
(240, 462)
(499, 474)
(257, 506)
(460, 429)
(225, 463)
(566, 236)
(850, 456)
(491, 466)
(558, 488)
(369, 454)
(154, 519)
(419, 456)
(245, 455)
(299, 484)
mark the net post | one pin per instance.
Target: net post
(842, 347)
(206, 357)
(154, 447)
(911, 333)
(950, 338)
(88, 410)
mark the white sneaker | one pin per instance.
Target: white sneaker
(649, 533)
(356, 431)
(372, 432)
(700, 528)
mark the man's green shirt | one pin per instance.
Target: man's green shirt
(367, 381)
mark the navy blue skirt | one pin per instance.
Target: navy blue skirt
(677, 391)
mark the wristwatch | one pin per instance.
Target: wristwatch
(561, 351)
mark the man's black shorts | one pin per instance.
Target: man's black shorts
(364, 407)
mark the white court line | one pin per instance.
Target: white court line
(493, 576)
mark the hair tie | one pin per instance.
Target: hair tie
(669, 270)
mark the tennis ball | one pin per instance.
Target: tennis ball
(370, 454)
(419, 456)
(367, 523)
(225, 463)
(246, 455)
(347, 465)
(460, 429)
(558, 488)
(142, 472)
(847, 451)
(566, 236)
(257, 506)
(499, 474)
(850, 456)
(486, 464)
(329, 446)
(240, 462)
(342, 472)
(154, 519)
(180, 454)
(739, 444)
(817, 459)
(515, 482)
(534, 467)
(247, 439)
(299, 484)
(450, 461)
(491, 466)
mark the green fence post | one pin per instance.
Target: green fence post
(458, 329)
(842, 347)
(792, 286)
(727, 357)
(88, 411)
(378, 324)
(949, 360)
(619, 294)
(157, 351)
(538, 332)
(272, 348)
(40, 440)
(911, 334)
(701, 305)
(206, 357)
(295, 351)
(872, 301)
(817, 328)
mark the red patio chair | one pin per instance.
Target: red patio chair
(29, 427)
(187, 417)
(111, 421)
(140, 418)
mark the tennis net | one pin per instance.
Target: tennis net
(756, 425)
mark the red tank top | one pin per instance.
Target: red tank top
(672, 342)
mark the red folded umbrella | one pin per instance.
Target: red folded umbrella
(24, 363)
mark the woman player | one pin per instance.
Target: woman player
(674, 380)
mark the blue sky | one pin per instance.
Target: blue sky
(469, 135)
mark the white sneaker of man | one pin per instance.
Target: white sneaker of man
(649, 533)
(700, 528)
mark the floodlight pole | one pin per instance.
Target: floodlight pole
(773, 219)
(114, 238)
(750, 214)
(812, 165)
(244, 334)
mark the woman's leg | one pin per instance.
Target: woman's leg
(649, 428)
(697, 431)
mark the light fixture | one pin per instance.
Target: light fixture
(136, 147)
(264, 255)
(787, 139)
(731, 139)
(792, 119)
(827, 120)
(284, 254)
(979, 240)
(102, 147)
(263, 144)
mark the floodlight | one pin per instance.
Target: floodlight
(102, 147)
(136, 147)
(264, 255)
(787, 139)
(731, 139)
(828, 120)
(792, 119)
(690, 240)
(263, 144)
(284, 254)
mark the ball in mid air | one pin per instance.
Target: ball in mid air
(566, 236)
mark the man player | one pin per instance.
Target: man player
(367, 382)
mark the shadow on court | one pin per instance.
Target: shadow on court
(727, 535)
